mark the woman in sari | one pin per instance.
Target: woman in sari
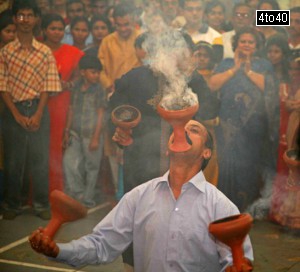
(67, 58)
(248, 131)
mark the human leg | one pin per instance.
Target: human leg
(72, 164)
(92, 166)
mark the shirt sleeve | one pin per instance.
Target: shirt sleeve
(52, 81)
(105, 79)
(108, 240)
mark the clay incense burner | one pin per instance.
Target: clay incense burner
(126, 117)
(63, 209)
(178, 119)
(232, 231)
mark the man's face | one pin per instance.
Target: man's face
(294, 28)
(216, 17)
(75, 10)
(25, 20)
(170, 8)
(99, 7)
(242, 17)
(193, 12)
(124, 26)
(197, 135)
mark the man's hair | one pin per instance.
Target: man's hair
(70, 2)
(90, 62)
(212, 4)
(122, 10)
(210, 145)
(25, 4)
(295, 9)
(236, 6)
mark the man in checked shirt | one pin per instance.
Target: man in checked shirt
(27, 74)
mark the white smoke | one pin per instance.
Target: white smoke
(170, 56)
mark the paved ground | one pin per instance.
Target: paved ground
(275, 248)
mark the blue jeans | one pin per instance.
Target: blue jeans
(81, 167)
(23, 148)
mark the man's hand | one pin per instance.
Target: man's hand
(246, 267)
(43, 244)
(94, 144)
(122, 137)
(34, 122)
(22, 120)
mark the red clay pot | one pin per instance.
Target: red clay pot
(178, 119)
(63, 209)
(126, 117)
(232, 231)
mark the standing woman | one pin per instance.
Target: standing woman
(248, 123)
(80, 30)
(100, 27)
(67, 58)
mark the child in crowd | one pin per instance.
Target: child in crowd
(83, 139)
(7, 28)
(80, 30)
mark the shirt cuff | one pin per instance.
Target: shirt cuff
(65, 252)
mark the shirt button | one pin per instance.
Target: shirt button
(173, 236)
(176, 209)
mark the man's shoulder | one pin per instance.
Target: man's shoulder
(10, 47)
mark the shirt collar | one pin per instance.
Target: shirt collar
(198, 181)
(35, 44)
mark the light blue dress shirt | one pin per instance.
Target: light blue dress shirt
(168, 235)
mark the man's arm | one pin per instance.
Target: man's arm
(108, 240)
(96, 135)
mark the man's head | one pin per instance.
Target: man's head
(25, 15)
(99, 7)
(193, 12)
(170, 9)
(242, 16)
(201, 144)
(75, 8)
(124, 20)
(294, 27)
(90, 68)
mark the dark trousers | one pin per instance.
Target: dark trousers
(22, 149)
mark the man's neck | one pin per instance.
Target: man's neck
(25, 39)
(180, 173)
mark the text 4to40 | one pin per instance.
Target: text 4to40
(272, 17)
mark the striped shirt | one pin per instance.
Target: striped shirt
(27, 73)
